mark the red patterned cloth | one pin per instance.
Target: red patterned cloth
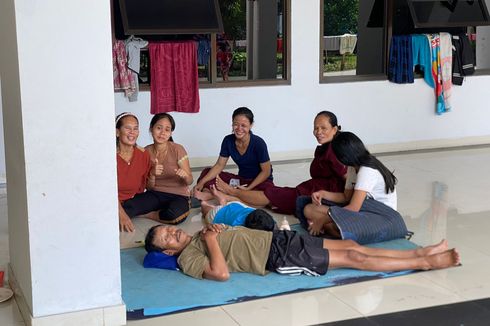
(174, 79)
(123, 79)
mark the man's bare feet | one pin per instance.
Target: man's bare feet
(444, 259)
(203, 195)
(221, 197)
(433, 249)
(225, 187)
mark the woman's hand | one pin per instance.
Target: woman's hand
(125, 224)
(181, 173)
(243, 187)
(316, 197)
(157, 168)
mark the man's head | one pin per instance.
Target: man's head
(260, 220)
(167, 239)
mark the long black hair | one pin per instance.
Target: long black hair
(350, 151)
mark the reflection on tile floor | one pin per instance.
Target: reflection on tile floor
(440, 195)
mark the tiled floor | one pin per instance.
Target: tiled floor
(441, 194)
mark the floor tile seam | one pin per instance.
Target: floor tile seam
(462, 243)
(456, 292)
(360, 314)
(413, 275)
(228, 313)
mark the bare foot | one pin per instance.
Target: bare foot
(205, 204)
(203, 195)
(205, 209)
(432, 250)
(155, 216)
(225, 187)
(218, 195)
(444, 259)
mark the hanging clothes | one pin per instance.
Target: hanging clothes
(446, 53)
(203, 51)
(422, 57)
(463, 58)
(122, 77)
(174, 78)
(133, 49)
(347, 43)
(435, 44)
(400, 68)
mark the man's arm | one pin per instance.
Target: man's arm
(217, 269)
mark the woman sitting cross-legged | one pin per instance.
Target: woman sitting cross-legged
(247, 150)
(133, 169)
(170, 176)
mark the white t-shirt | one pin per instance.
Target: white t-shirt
(371, 181)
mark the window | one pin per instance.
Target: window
(353, 42)
(251, 50)
(253, 45)
(355, 34)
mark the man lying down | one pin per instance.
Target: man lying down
(219, 249)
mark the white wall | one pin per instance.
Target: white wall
(398, 116)
(2, 150)
(62, 193)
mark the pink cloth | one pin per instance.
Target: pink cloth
(174, 79)
(123, 79)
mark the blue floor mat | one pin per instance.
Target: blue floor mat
(149, 292)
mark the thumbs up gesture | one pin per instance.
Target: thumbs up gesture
(157, 168)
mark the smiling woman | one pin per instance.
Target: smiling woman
(247, 150)
(133, 168)
(171, 175)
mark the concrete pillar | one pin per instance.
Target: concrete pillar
(58, 115)
(262, 39)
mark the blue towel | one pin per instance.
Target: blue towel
(400, 68)
(421, 57)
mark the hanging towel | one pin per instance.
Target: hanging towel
(400, 69)
(434, 40)
(347, 43)
(174, 79)
(446, 68)
(133, 48)
(421, 57)
(463, 58)
(123, 79)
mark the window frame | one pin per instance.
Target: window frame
(356, 78)
(214, 82)
(388, 22)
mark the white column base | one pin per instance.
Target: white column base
(107, 316)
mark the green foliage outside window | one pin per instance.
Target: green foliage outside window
(340, 17)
